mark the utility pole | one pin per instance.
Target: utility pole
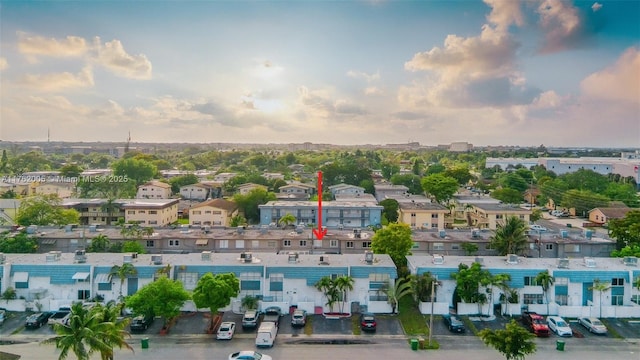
(433, 295)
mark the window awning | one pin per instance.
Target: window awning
(21, 277)
(102, 279)
(202, 241)
(48, 241)
(81, 276)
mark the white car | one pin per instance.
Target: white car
(594, 325)
(559, 326)
(538, 228)
(226, 330)
(248, 355)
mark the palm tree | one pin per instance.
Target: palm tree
(110, 206)
(122, 272)
(164, 271)
(100, 243)
(510, 238)
(328, 288)
(87, 332)
(286, 220)
(600, 286)
(545, 280)
(343, 284)
(401, 288)
(249, 302)
(114, 327)
(501, 281)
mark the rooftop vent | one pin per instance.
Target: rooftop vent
(127, 259)
(475, 233)
(442, 234)
(357, 233)
(588, 234)
(589, 262)
(293, 257)
(80, 256)
(240, 229)
(264, 229)
(563, 263)
(156, 259)
(93, 228)
(324, 260)
(368, 257)
(246, 257)
(438, 259)
(630, 261)
(299, 229)
(50, 258)
(206, 255)
(512, 259)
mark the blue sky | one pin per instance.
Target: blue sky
(491, 72)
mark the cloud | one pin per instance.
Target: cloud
(563, 27)
(596, 6)
(113, 57)
(59, 81)
(362, 75)
(505, 13)
(618, 82)
(3, 64)
(373, 90)
(71, 46)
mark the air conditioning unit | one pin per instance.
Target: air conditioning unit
(127, 259)
(563, 263)
(156, 259)
(248, 257)
(206, 255)
(512, 259)
(80, 256)
(589, 262)
(630, 261)
(240, 229)
(293, 257)
(438, 259)
(368, 257)
(324, 260)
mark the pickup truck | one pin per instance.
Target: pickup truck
(272, 314)
(535, 322)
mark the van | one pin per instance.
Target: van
(266, 334)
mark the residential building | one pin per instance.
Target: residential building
(487, 216)
(345, 189)
(335, 214)
(286, 279)
(602, 216)
(214, 212)
(8, 211)
(224, 177)
(273, 176)
(151, 212)
(389, 191)
(244, 189)
(199, 191)
(422, 215)
(63, 190)
(571, 294)
(295, 191)
(154, 190)
(96, 211)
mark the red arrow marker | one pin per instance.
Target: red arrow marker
(320, 232)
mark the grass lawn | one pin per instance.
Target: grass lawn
(413, 322)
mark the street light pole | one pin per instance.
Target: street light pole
(433, 286)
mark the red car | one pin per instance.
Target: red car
(535, 322)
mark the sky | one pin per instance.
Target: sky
(492, 72)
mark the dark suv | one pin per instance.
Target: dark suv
(37, 320)
(453, 323)
(141, 323)
(368, 322)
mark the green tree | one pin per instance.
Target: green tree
(248, 203)
(545, 280)
(343, 285)
(468, 280)
(400, 289)
(633, 250)
(514, 342)
(583, 200)
(440, 186)
(114, 327)
(45, 210)
(183, 180)
(21, 243)
(507, 196)
(394, 240)
(133, 246)
(99, 244)
(510, 238)
(163, 297)
(110, 206)
(626, 231)
(513, 181)
(122, 272)
(327, 286)
(238, 220)
(390, 209)
(71, 170)
(287, 220)
(136, 170)
(250, 302)
(422, 286)
(215, 291)
(87, 332)
(411, 181)
(469, 248)
(460, 173)
(4, 162)
(600, 287)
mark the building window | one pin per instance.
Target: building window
(333, 243)
(150, 243)
(530, 281)
(532, 299)
(455, 246)
(303, 243)
(562, 300)
(271, 244)
(224, 244)
(286, 243)
(548, 247)
(561, 281)
(377, 282)
(573, 248)
(153, 212)
(617, 300)
(349, 244)
(438, 246)
(189, 280)
(617, 282)
(239, 244)
(131, 212)
(153, 222)
(434, 216)
(207, 211)
(142, 212)
(366, 244)
(84, 294)
(635, 299)
(197, 212)
(174, 242)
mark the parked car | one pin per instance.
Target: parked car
(59, 317)
(250, 319)
(368, 322)
(299, 318)
(535, 323)
(248, 355)
(538, 228)
(3, 316)
(559, 326)
(453, 323)
(592, 324)
(141, 323)
(226, 330)
(35, 321)
(272, 314)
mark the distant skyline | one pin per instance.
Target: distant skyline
(552, 72)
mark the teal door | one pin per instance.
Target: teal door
(132, 286)
(587, 295)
